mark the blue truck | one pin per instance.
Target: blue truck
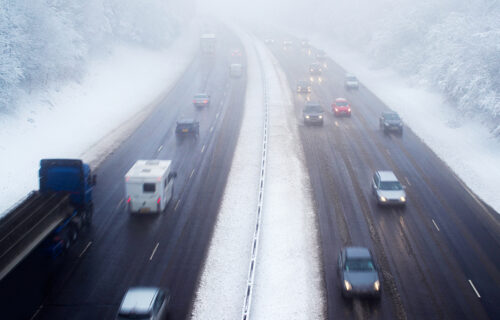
(52, 216)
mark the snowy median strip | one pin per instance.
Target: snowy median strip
(286, 282)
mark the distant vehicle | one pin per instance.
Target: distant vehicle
(341, 107)
(201, 100)
(149, 186)
(358, 273)
(236, 53)
(236, 70)
(391, 122)
(269, 40)
(149, 303)
(52, 216)
(304, 86)
(207, 43)
(387, 189)
(287, 44)
(313, 113)
(315, 68)
(351, 82)
(320, 55)
(304, 43)
(187, 126)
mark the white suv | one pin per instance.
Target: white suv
(387, 189)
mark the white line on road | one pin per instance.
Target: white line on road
(120, 203)
(407, 181)
(435, 225)
(154, 250)
(177, 204)
(211, 128)
(217, 115)
(37, 312)
(85, 249)
(192, 172)
(203, 149)
(159, 149)
(336, 123)
(475, 290)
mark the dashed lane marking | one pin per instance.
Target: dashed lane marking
(336, 123)
(159, 149)
(211, 128)
(408, 181)
(475, 290)
(154, 251)
(37, 312)
(203, 149)
(217, 115)
(192, 172)
(177, 204)
(85, 249)
(435, 225)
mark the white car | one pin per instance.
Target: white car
(351, 82)
(387, 189)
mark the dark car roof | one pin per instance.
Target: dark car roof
(186, 121)
(357, 252)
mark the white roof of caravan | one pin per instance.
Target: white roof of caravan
(208, 36)
(148, 168)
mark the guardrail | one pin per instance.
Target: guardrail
(255, 242)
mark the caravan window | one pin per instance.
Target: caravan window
(149, 187)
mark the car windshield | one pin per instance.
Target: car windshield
(390, 185)
(351, 78)
(341, 103)
(391, 116)
(359, 265)
(201, 96)
(314, 108)
(303, 83)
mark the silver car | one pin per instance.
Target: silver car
(387, 189)
(358, 273)
(144, 303)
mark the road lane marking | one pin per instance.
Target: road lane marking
(120, 203)
(154, 251)
(336, 123)
(435, 225)
(37, 312)
(221, 104)
(211, 128)
(475, 290)
(217, 115)
(85, 249)
(192, 172)
(159, 149)
(203, 149)
(177, 204)
(407, 181)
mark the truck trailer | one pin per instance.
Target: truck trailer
(52, 216)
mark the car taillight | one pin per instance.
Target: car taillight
(159, 200)
(194, 101)
(205, 101)
(56, 239)
(129, 199)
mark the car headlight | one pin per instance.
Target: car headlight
(376, 285)
(347, 285)
(307, 117)
(383, 199)
(386, 124)
(403, 199)
(320, 116)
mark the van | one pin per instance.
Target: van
(235, 70)
(149, 186)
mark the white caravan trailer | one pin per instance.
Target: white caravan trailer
(149, 186)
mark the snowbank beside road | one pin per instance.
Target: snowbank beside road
(87, 119)
(464, 144)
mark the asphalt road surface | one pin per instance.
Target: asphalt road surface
(167, 250)
(438, 255)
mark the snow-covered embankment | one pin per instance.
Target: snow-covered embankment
(288, 282)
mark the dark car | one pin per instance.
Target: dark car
(315, 68)
(303, 86)
(391, 122)
(313, 113)
(201, 100)
(187, 127)
(358, 273)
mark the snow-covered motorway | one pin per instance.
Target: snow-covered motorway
(439, 257)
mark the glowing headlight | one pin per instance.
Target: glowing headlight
(403, 199)
(307, 117)
(320, 116)
(376, 285)
(347, 285)
(383, 199)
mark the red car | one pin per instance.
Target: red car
(341, 107)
